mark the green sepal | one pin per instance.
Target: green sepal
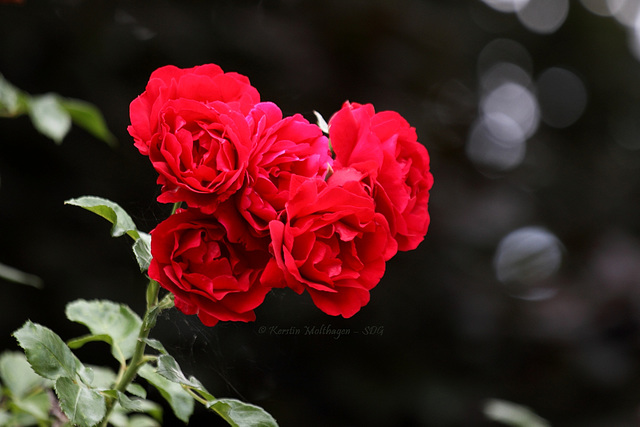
(111, 211)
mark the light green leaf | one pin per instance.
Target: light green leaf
(48, 355)
(12, 100)
(112, 212)
(49, 117)
(17, 276)
(142, 251)
(38, 405)
(103, 377)
(88, 117)
(513, 414)
(156, 345)
(322, 123)
(107, 318)
(16, 374)
(83, 405)
(80, 341)
(137, 390)
(178, 398)
(169, 368)
(240, 414)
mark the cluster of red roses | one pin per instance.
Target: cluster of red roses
(270, 200)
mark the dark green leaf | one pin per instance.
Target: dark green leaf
(83, 405)
(107, 318)
(178, 398)
(49, 117)
(142, 251)
(122, 222)
(88, 117)
(17, 375)
(48, 355)
(240, 414)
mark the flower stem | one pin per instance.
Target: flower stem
(138, 359)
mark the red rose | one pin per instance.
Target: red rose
(192, 124)
(204, 83)
(383, 148)
(332, 243)
(211, 264)
(284, 148)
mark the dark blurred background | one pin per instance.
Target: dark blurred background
(527, 287)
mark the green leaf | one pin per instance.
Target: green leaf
(88, 117)
(112, 212)
(142, 251)
(17, 276)
(240, 414)
(169, 368)
(513, 414)
(178, 398)
(137, 390)
(48, 355)
(83, 405)
(49, 117)
(38, 405)
(80, 341)
(156, 345)
(17, 375)
(103, 377)
(12, 100)
(116, 321)
(322, 123)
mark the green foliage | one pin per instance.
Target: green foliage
(112, 212)
(26, 399)
(241, 414)
(513, 414)
(121, 224)
(17, 276)
(234, 412)
(113, 323)
(178, 398)
(48, 355)
(90, 396)
(51, 114)
(83, 405)
(49, 117)
(142, 250)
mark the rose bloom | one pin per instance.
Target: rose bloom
(331, 243)
(211, 265)
(192, 124)
(383, 149)
(284, 147)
